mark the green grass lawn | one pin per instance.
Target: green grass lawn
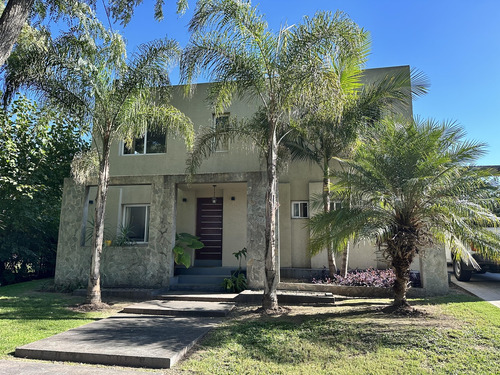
(458, 335)
(27, 315)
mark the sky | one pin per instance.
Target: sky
(455, 43)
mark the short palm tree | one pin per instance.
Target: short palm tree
(115, 99)
(411, 187)
(232, 42)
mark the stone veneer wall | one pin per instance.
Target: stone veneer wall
(150, 265)
(72, 262)
(147, 265)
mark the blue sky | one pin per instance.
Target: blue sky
(455, 43)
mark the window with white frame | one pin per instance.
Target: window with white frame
(136, 222)
(300, 210)
(221, 123)
(153, 142)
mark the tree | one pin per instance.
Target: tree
(114, 98)
(412, 188)
(17, 13)
(232, 42)
(332, 126)
(37, 146)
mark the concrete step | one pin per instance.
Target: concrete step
(207, 263)
(204, 271)
(180, 308)
(202, 279)
(208, 288)
(124, 340)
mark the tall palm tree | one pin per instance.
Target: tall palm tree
(231, 41)
(115, 98)
(332, 130)
(410, 188)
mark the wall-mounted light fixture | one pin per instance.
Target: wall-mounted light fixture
(214, 200)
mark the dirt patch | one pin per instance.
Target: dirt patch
(278, 311)
(89, 307)
(405, 311)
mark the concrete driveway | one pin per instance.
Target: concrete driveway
(485, 286)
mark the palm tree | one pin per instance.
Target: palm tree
(332, 130)
(232, 42)
(115, 98)
(410, 188)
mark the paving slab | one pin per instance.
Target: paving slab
(180, 308)
(16, 367)
(124, 340)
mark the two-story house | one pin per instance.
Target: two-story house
(151, 199)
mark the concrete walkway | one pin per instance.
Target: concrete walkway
(154, 334)
(485, 286)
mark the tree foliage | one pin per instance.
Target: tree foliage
(411, 188)
(17, 15)
(115, 98)
(37, 145)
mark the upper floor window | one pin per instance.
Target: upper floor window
(221, 122)
(153, 142)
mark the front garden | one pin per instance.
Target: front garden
(456, 334)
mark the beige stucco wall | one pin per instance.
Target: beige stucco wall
(241, 156)
(285, 225)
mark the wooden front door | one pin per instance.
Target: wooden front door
(209, 228)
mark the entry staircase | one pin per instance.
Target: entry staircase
(202, 279)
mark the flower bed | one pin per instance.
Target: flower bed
(367, 277)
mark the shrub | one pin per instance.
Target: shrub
(368, 277)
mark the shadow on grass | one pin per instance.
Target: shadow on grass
(39, 308)
(24, 302)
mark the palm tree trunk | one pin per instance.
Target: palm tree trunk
(402, 270)
(270, 298)
(345, 260)
(94, 284)
(345, 253)
(332, 266)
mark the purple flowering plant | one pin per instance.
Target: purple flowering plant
(365, 277)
